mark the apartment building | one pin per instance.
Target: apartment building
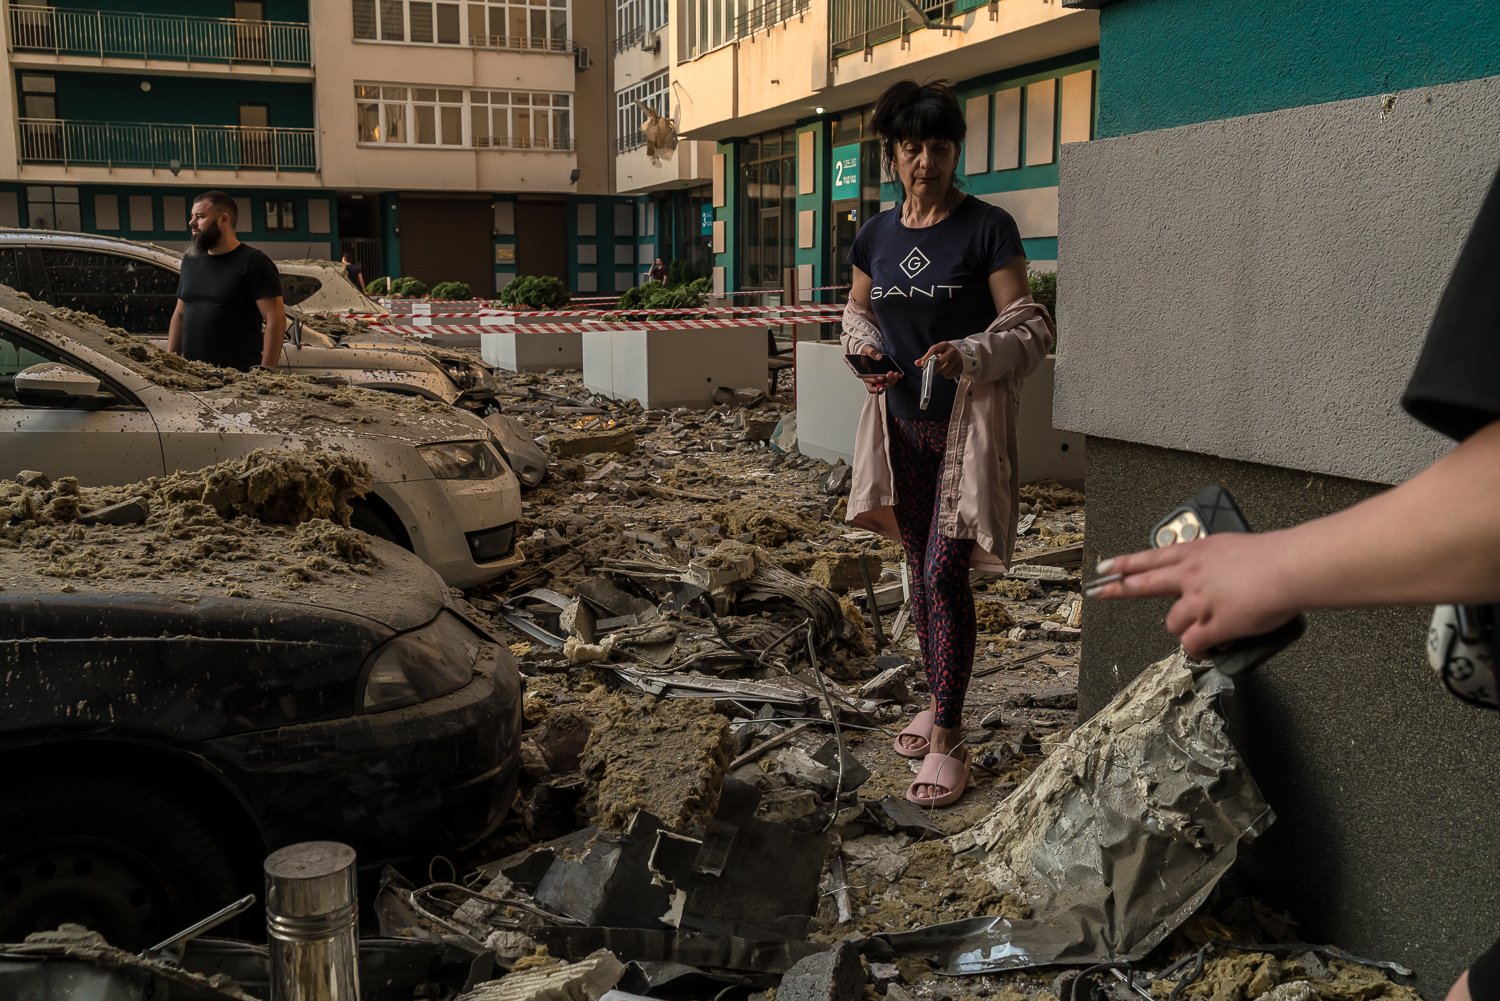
(772, 99)
(439, 138)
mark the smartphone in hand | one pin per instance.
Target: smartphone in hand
(1213, 510)
(866, 365)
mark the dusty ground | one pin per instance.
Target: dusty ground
(673, 486)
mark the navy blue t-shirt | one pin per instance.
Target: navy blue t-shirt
(930, 285)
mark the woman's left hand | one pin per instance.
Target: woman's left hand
(950, 364)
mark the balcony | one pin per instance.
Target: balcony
(859, 25)
(109, 34)
(767, 14)
(156, 145)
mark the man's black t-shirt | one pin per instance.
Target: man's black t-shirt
(221, 324)
(1455, 389)
(931, 285)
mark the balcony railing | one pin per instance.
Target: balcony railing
(125, 35)
(521, 43)
(767, 13)
(857, 25)
(164, 144)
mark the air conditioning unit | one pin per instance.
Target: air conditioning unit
(651, 41)
(581, 58)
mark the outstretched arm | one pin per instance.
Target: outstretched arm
(1233, 585)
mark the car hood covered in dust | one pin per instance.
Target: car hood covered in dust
(301, 410)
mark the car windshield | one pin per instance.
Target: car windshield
(332, 293)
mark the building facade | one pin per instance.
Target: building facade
(773, 98)
(1252, 252)
(480, 139)
(434, 138)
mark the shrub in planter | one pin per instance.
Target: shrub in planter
(451, 290)
(409, 286)
(534, 292)
(379, 286)
(653, 296)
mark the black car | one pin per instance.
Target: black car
(157, 743)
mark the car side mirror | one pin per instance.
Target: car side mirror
(53, 384)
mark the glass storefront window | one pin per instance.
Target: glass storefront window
(768, 209)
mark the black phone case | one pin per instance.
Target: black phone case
(1218, 512)
(865, 365)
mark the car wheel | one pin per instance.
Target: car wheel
(111, 853)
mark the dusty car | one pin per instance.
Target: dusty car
(164, 726)
(133, 286)
(77, 399)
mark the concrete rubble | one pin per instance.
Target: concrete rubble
(709, 807)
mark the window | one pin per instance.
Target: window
(122, 291)
(502, 24)
(426, 22)
(652, 92)
(52, 207)
(281, 213)
(519, 24)
(768, 208)
(633, 18)
(409, 116)
(518, 119)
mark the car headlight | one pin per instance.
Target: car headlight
(420, 665)
(462, 460)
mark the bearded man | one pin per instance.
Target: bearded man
(229, 307)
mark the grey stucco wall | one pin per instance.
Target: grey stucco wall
(1257, 288)
(1385, 788)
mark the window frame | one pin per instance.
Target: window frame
(392, 22)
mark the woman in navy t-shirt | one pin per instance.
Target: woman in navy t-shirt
(936, 268)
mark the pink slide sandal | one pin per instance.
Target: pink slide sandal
(920, 726)
(949, 772)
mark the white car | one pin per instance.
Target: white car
(133, 286)
(79, 400)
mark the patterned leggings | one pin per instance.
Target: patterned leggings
(942, 601)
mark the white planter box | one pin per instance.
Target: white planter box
(829, 398)
(673, 368)
(515, 349)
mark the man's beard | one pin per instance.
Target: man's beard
(207, 238)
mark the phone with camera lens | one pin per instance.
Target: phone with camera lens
(1210, 511)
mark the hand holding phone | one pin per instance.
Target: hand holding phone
(1211, 511)
(869, 365)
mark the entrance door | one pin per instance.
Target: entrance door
(448, 239)
(255, 136)
(251, 33)
(542, 239)
(845, 224)
(41, 132)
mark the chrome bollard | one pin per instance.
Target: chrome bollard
(312, 916)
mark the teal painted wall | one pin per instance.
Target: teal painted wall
(729, 260)
(390, 222)
(117, 97)
(818, 201)
(1022, 177)
(169, 207)
(1175, 62)
(276, 10)
(605, 239)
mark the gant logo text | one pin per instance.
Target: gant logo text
(914, 263)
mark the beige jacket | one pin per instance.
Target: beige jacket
(979, 497)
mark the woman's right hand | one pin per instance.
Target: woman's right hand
(877, 384)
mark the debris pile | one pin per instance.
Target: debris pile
(264, 523)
